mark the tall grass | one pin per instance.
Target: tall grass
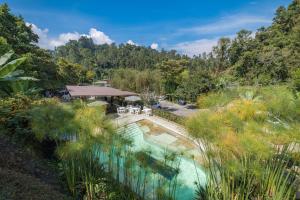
(245, 145)
(97, 162)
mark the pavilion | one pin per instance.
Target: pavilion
(96, 91)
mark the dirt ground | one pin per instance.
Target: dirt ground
(24, 176)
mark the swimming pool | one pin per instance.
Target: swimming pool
(156, 143)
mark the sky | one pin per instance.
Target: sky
(189, 26)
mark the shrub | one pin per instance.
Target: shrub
(296, 80)
(169, 116)
(15, 121)
(238, 143)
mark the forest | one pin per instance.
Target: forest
(247, 88)
(267, 57)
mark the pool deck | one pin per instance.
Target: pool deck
(125, 119)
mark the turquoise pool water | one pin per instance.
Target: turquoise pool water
(158, 144)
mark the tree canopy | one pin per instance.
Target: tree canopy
(269, 56)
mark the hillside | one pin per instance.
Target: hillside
(24, 176)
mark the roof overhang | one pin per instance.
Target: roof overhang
(97, 91)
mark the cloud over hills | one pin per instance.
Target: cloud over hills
(51, 42)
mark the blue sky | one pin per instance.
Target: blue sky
(189, 26)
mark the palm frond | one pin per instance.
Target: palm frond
(11, 66)
(5, 57)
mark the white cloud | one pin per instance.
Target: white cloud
(154, 46)
(131, 42)
(50, 43)
(228, 23)
(196, 47)
(63, 39)
(43, 35)
(99, 37)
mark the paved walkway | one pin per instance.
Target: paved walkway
(184, 111)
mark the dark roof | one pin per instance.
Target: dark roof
(77, 91)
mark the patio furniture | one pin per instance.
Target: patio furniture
(130, 109)
(147, 111)
(121, 110)
(136, 110)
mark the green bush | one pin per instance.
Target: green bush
(219, 98)
(296, 80)
(15, 120)
(169, 116)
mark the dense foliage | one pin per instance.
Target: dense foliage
(269, 57)
(248, 143)
(246, 131)
(99, 57)
(17, 36)
(140, 81)
(169, 116)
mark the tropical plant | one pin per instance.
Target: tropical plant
(244, 150)
(9, 76)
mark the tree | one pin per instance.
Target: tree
(17, 35)
(171, 73)
(69, 72)
(89, 76)
(239, 45)
(146, 81)
(4, 46)
(221, 52)
(40, 64)
(198, 83)
(16, 32)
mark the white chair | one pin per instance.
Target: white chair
(121, 110)
(128, 107)
(137, 111)
(131, 110)
(147, 111)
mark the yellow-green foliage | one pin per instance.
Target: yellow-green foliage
(220, 98)
(51, 120)
(241, 134)
(138, 81)
(231, 127)
(269, 115)
(278, 100)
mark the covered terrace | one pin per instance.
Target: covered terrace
(96, 91)
(112, 96)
